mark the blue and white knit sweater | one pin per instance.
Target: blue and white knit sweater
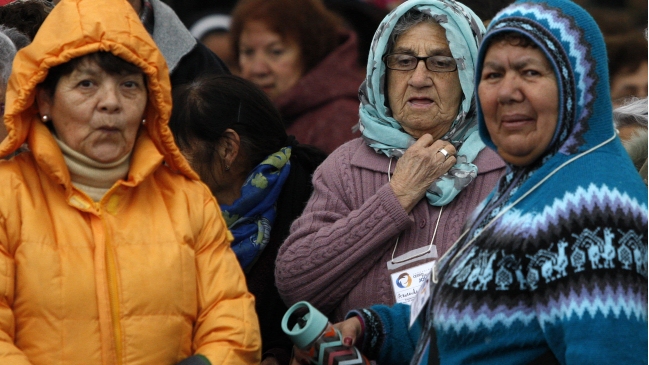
(552, 270)
(564, 270)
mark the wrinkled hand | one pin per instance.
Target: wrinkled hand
(350, 330)
(419, 166)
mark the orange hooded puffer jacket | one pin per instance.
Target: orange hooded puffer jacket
(144, 276)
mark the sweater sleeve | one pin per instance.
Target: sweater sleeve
(335, 243)
(226, 330)
(387, 337)
(9, 353)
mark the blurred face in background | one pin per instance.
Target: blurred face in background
(628, 84)
(274, 64)
(219, 43)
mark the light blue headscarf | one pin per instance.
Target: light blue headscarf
(464, 31)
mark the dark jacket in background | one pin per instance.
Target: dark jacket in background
(322, 107)
(261, 277)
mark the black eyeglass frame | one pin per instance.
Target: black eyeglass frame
(385, 61)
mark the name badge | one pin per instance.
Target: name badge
(407, 283)
(421, 298)
(426, 252)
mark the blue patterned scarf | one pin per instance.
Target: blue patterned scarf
(464, 31)
(251, 217)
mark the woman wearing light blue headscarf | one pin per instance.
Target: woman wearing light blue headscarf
(386, 204)
(552, 268)
(386, 135)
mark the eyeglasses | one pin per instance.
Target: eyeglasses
(406, 62)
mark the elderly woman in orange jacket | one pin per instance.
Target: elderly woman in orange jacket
(111, 250)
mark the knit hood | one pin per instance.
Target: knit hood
(75, 28)
(585, 152)
(574, 46)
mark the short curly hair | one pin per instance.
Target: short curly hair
(314, 27)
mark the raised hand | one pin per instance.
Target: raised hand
(420, 165)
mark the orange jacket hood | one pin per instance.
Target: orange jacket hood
(75, 28)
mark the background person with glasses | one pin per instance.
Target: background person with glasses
(389, 203)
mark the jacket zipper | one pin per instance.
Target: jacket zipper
(111, 275)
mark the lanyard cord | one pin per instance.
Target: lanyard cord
(430, 246)
(506, 209)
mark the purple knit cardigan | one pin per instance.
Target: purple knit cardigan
(336, 254)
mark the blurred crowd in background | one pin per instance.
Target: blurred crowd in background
(623, 23)
(324, 47)
(291, 112)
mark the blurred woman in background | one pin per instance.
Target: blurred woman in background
(627, 66)
(302, 56)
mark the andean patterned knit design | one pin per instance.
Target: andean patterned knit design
(559, 265)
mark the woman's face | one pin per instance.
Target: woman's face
(272, 63)
(95, 113)
(519, 97)
(424, 101)
(628, 84)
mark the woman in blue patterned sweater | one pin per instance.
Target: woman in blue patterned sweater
(552, 267)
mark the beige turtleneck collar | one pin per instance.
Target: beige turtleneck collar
(92, 177)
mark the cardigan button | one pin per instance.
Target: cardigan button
(422, 223)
